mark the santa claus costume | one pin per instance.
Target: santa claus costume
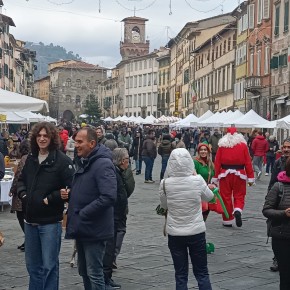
(233, 169)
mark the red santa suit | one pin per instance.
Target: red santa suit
(233, 169)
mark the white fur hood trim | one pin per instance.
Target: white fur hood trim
(229, 140)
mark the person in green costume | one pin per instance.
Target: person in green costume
(205, 167)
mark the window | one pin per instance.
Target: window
(259, 63)
(78, 100)
(150, 63)
(78, 83)
(127, 83)
(266, 9)
(144, 100)
(260, 11)
(88, 83)
(277, 19)
(274, 62)
(131, 82)
(144, 80)
(266, 64)
(229, 43)
(149, 99)
(68, 99)
(149, 79)
(145, 64)
(136, 65)
(251, 14)
(135, 81)
(245, 22)
(68, 82)
(139, 100)
(6, 70)
(140, 80)
(155, 78)
(186, 76)
(286, 16)
(140, 65)
(251, 63)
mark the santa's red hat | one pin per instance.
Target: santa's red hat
(232, 130)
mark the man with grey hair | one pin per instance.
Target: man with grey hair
(125, 187)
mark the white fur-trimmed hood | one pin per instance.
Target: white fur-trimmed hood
(229, 140)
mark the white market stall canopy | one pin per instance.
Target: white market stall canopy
(185, 123)
(205, 116)
(149, 120)
(13, 102)
(13, 118)
(249, 120)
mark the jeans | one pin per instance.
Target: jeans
(149, 162)
(258, 163)
(139, 164)
(281, 249)
(42, 247)
(163, 166)
(196, 245)
(90, 263)
(270, 163)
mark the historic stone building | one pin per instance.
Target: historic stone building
(280, 102)
(163, 81)
(241, 13)
(187, 61)
(258, 80)
(41, 88)
(16, 62)
(71, 82)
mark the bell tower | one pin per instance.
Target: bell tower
(135, 43)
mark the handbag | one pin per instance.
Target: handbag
(159, 210)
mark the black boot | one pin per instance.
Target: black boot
(274, 267)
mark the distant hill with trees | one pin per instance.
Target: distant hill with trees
(46, 54)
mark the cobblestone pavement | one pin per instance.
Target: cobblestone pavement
(241, 259)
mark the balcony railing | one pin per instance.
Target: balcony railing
(253, 83)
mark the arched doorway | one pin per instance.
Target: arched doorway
(68, 115)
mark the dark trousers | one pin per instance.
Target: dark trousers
(270, 163)
(163, 166)
(213, 156)
(281, 249)
(179, 247)
(20, 217)
(121, 231)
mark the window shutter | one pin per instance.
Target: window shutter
(286, 17)
(251, 15)
(277, 17)
(266, 9)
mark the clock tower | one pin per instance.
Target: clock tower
(134, 43)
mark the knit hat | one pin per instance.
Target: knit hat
(203, 144)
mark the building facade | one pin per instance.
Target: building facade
(241, 64)
(41, 89)
(280, 102)
(71, 82)
(258, 80)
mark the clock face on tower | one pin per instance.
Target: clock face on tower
(135, 37)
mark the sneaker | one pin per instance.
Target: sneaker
(151, 181)
(259, 175)
(274, 267)
(146, 181)
(227, 226)
(113, 284)
(238, 217)
(266, 174)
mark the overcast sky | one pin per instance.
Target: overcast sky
(78, 26)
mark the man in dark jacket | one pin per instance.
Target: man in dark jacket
(42, 189)
(279, 166)
(213, 142)
(260, 147)
(149, 153)
(101, 138)
(164, 150)
(125, 187)
(91, 207)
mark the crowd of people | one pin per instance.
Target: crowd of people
(90, 170)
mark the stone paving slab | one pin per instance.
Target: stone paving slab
(241, 260)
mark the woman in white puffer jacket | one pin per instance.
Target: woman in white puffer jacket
(184, 191)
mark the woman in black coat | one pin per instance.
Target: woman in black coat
(136, 150)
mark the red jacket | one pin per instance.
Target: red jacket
(64, 137)
(260, 146)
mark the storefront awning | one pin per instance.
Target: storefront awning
(281, 99)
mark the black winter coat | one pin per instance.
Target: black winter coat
(136, 149)
(274, 209)
(45, 180)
